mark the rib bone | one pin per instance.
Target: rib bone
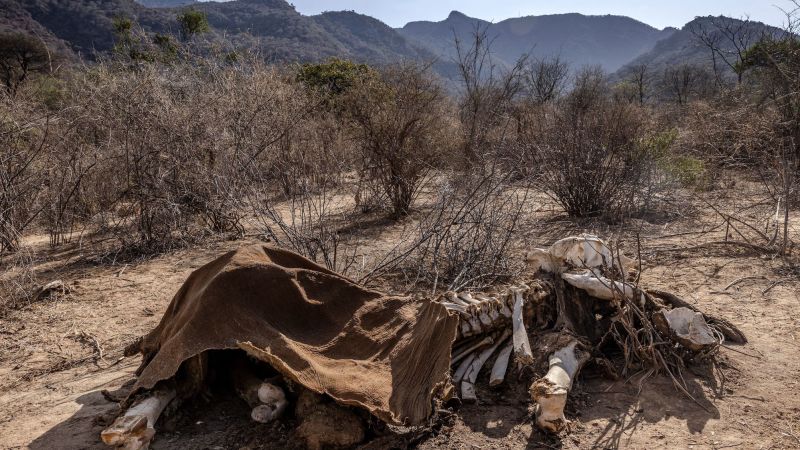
(501, 365)
(522, 344)
(600, 287)
(463, 353)
(468, 383)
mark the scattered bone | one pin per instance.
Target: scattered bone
(469, 350)
(687, 327)
(729, 330)
(501, 365)
(585, 251)
(600, 287)
(136, 428)
(550, 392)
(51, 288)
(467, 298)
(522, 344)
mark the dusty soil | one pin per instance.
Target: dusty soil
(57, 355)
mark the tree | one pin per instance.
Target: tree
(488, 93)
(192, 22)
(640, 78)
(335, 76)
(20, 55)
(728, 40)
(546, 79)
(400, 123)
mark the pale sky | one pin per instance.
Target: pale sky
(659, 14)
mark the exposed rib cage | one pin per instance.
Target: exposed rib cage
(484, 313)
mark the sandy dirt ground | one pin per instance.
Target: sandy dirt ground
(57, 356)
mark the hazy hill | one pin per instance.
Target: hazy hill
(684, 47)
(608, 41)
(278, 32)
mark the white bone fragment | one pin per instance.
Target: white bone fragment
(522, 344)
(492, 310)
(458, 308)
(585, 251)
(501, 365)
(509, 299)
(550, 392)
(599, 287)
(482, 298)
(452, 297)
(484, 317)
(462, 368)
(505, 311)
(466, 329)
(488, 340)
(468, 392)
(687, 327)
(136, 428)
(475, 324)
(467, 297)
(273, 405)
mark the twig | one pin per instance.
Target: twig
(734, 283)
(759, 248)
(741, 352)
(774, 285)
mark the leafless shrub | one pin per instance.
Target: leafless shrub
(18, 282)
(685, 82)
(24, 139)
(465, 239)
(588, 155)
(486, 107)
(400, 123)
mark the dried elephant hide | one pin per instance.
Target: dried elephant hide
(386, 354)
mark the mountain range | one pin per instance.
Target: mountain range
(276, 30)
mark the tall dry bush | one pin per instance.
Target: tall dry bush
(465, 238)
(588, 155)
(25, 137)
(486, 104)
(402, 126)
(155, 156)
